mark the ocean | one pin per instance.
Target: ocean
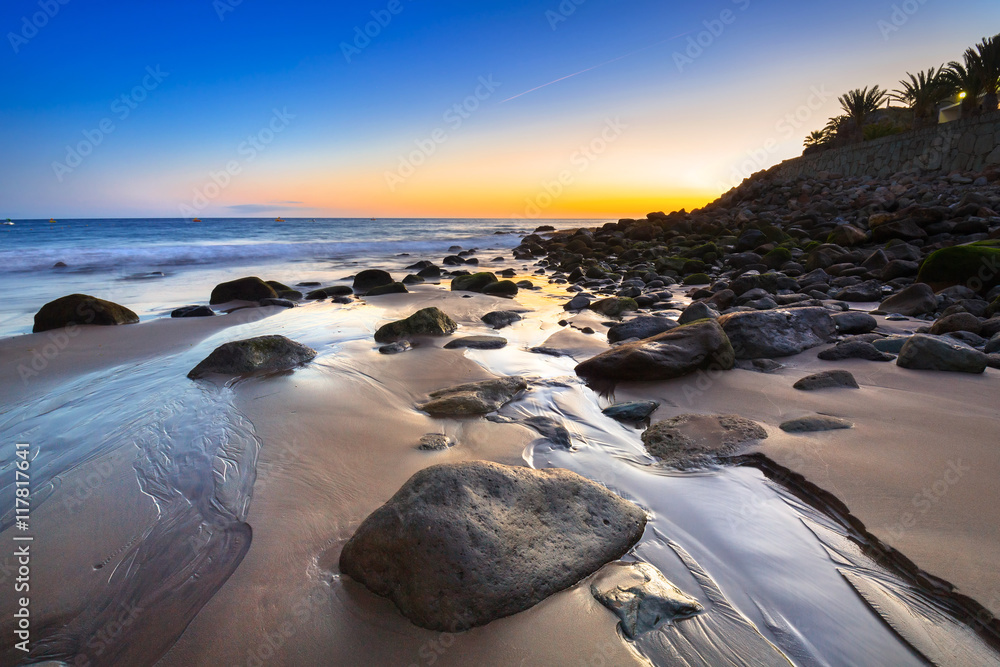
(154, 265)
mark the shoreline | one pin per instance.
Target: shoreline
(338, 437)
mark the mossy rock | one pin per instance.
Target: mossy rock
(77, 309)
(694, 266)
(993, 308)
(474, 282)
(392, 288)
(975, 266)
(777, 257)
(614, 306)
(278, 287)
(675, 264)
(335, 290)
(426, 322)
(698, 279)
(505, 288)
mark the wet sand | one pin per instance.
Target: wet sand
(337, 438)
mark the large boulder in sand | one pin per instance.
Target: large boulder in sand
(696, 439)
(672, 354)
(77, 309)
(243, 289)
(461, 545)
(777, 333)
(940, 353)
(369, 279)
(917, 299)
(426, 322)
(264, 354)
(474, 398)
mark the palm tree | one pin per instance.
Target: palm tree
(861, 103)
(984, 61)
(923, 92)
(817, 138)
(967, 81)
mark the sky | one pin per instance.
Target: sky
(415, 108)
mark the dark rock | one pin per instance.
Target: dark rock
(957, 322)
(892, 344)
(464, 544)
(759, 365)
(413, 280)
(504, 288)
(697, 311)
(369, 279)
(78, 309)
(264, 354)
(853, 322)
(614, 306)
(398, 347)
(917, 299)
(777, 333)
(962, 265)
(870, 290)
(640, 327)
(578, 302)
(499, 319)
(474, 282)
(243, 289)
(426, 322)
(940, 353)
(827, 380)
(854, 349)
(326, 292)
(675, 353)
(814, 423)
(193, 311)
(634, 412)
(474, 398)
(477, 343)
(697, 439)
(391, 288)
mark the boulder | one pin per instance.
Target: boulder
(957, 322)
(641, 597)
(474, 398)
(391, 288)
(854, 349)
(870, 290)
(474, 282)
(369, 279)
(326, 292)
(827, 380)
(279, 303)
(697, 439)
(193, 311)
(640, 327)
(853, 322)
(77, 309)
(940, 353)
(477, 343)
(697, 311)
(461, 545)
(917, 299)
(243, 289)
(499, 319)
(426, 322)
(435, 442)
(503, 288)
(578, 302)
(675, 353)
(813, 423)
(264, 354)
(777, 333)
(976, 266)
(614, 306)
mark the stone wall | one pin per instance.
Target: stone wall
(968, 145)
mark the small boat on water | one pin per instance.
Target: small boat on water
(279, 219)
(9, 222)
(52, 220)
(195, 219)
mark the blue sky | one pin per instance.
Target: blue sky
(224, 71)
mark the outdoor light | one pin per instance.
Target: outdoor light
(961, 96)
